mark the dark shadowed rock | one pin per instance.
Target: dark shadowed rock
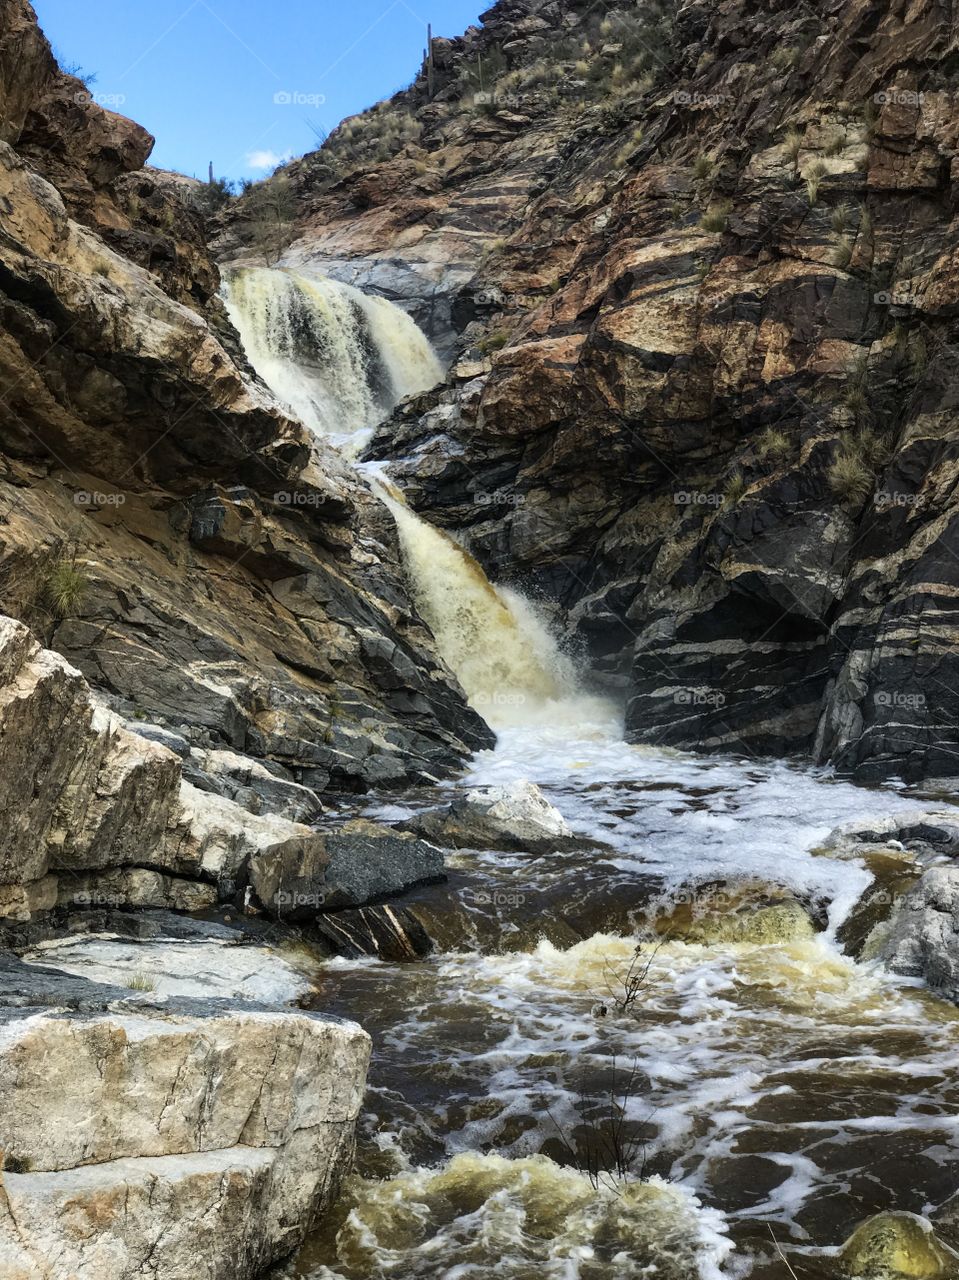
(360, 863)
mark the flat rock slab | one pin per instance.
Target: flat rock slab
(177, 967)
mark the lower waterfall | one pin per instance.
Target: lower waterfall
(504, 653)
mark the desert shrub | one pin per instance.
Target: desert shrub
(716, 217)
(773, 444)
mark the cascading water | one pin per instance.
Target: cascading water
(338, 358)
(782, 1091)
(507, 659)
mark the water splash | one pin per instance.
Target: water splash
(337, 358)
(525, 1219)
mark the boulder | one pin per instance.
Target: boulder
(515, 816)
(360, 863)
(923, 937)
(209, 1136)
(897, 1246)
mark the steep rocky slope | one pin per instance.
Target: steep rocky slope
(165, 527)
(697, 266)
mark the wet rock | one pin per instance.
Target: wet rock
(361, 862)
(393, 933)
(897, 1246)
(736, 914)
(515, 816)
(923, 936)
(895, 872)
(936, 828)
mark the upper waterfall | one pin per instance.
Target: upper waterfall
(338, 358)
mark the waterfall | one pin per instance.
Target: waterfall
(340, 361)
(505, 655)
(337, 358)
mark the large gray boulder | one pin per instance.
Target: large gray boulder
(360, 863)
(923, 938)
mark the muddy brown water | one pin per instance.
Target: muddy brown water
(773, 1093)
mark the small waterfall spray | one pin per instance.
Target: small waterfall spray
(337, 358)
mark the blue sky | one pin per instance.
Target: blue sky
(211, 78)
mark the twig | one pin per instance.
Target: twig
(786, 1262)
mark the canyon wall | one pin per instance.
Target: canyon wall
(195, 553)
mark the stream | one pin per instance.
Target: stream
(775, 1089)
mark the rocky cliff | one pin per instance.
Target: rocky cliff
(695, 268)
(191, 550)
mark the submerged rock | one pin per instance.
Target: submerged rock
(388, 932)
(735, 913)
(515, 816)
(897, 1246)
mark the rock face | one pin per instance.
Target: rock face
(211, 1136)
(206, 564)
(923, 940)
(698, 269)
(92, 812)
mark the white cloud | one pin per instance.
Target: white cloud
(266, 159)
